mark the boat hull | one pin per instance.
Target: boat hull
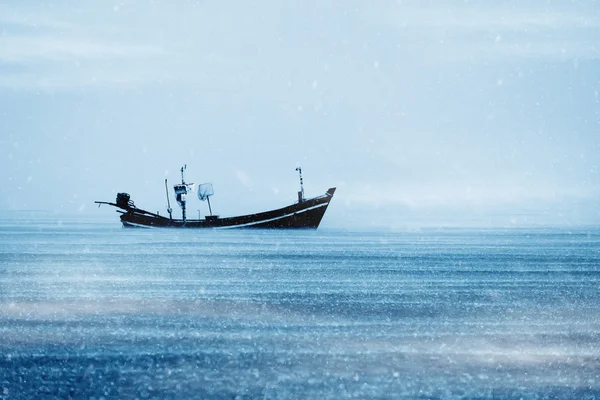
(303, 215)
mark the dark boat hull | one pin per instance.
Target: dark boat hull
(303, 215)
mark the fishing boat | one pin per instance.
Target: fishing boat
(304, 214)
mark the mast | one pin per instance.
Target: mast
(301, 192)
(183, 202)
(169, 209)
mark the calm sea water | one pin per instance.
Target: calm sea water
(96, 310)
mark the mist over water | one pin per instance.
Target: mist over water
(93, 309)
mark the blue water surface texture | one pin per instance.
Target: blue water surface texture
(91, 309)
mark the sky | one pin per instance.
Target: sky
(421, 113)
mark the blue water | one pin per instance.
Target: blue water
(90, 309)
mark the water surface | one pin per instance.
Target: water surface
(91, 309)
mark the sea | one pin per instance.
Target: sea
(89, 309)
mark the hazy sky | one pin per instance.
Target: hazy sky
(420, 112)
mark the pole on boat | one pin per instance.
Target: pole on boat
(182, 203)
(301, 192)
(169, 209)
(205, 190)
(209, 209)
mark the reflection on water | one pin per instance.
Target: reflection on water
(91, 309)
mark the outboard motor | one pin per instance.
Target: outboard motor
(123, 200)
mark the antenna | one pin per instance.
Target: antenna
(301, 192)
(183, 169)
(169, 209)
